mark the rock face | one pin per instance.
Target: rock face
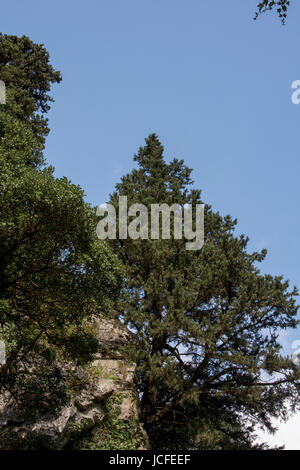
(102, 414)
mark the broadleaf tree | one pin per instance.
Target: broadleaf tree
(54, 272)
(281, 7)
(207, 321)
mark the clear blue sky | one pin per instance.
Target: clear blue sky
(211, 82)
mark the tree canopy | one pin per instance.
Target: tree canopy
(281, 7)
(207, 322)
(54, 272)
(209, 362)
(28, 75)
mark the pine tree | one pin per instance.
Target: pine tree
(207, 322)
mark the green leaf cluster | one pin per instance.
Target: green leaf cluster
(281, 7)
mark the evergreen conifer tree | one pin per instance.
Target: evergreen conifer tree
(207, 322)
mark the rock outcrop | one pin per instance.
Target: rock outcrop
(103, 411)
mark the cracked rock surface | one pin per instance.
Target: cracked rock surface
(110, 379)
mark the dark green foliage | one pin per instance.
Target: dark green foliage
(54, 272)
(207, 322)
(281, 7)
(26, 71)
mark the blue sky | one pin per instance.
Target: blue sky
(211, 82)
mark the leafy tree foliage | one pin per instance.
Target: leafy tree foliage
(281, 7)
(54, 273)
(207, 322)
